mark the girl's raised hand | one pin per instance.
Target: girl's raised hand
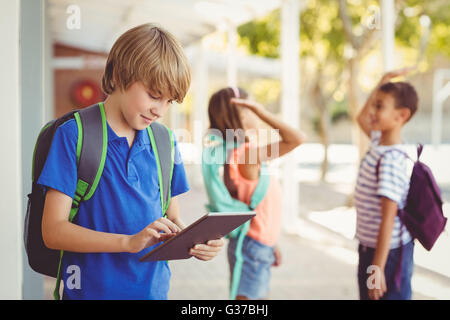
(252, 105)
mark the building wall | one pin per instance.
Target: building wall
(66, 79)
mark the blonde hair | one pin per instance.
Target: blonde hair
(149, 54)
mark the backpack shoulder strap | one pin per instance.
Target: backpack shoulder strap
(261, 188)
(419, 150)
(162, 141)
(91, 152)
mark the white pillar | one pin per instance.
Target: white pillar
(388, 34)
(440, 93)
(48, 101)
(231, 57)
(199, 118)
(37, 107)
(11, 164)
(290, 105)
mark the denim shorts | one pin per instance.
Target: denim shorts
(404, 292)
(257, 260)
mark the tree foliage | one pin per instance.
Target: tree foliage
(409, 27)
(322, 34)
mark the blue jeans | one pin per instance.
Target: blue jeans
(257, 261)
(404, 292)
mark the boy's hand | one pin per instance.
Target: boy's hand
(151, 235)
(377, 293)
(396, 73)
(207, 251)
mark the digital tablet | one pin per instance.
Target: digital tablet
(211, 226)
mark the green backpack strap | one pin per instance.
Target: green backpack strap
(261, 188)
(91, 156)
(258, 195)
(163, 145)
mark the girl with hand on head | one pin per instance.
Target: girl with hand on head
(231, 111)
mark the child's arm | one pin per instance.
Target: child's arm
(58, 233)
(278, 256)
(388, 213)
(290, 137)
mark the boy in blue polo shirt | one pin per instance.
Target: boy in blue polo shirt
(145, 71)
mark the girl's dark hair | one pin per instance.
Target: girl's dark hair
(404, 94)
(222, 113)
(225, 115)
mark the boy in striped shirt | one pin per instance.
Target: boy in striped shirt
(378, 196)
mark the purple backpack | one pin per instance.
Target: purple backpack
(422, 214)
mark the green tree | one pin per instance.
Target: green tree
(411, 30)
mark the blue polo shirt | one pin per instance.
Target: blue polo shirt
(127, 199)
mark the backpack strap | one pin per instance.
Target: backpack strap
(261, 188)
(239, 260)
(258, 195)
(91, 153)
(419, 150)
(162, 141)
(91, 156)
(377, 167)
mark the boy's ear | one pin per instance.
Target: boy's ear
(405, 114)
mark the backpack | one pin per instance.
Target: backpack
(422, 215)
(91, 155)
(214, 156)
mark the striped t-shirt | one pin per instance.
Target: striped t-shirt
(393, 183)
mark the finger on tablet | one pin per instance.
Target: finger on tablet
(216, 243)
(172, 226)
(160, 226)
(166, 236)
